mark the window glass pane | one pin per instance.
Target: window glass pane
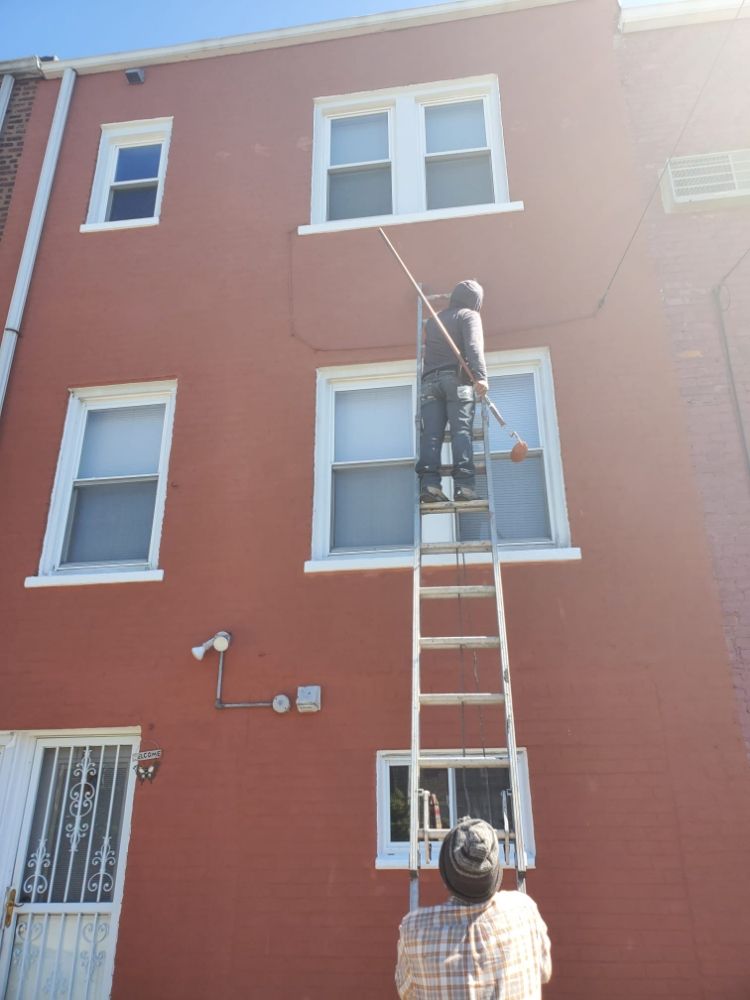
(374, 423)
(110, 523)
(459, 180)
(515, 397)
(122, 441)
(479, 794)
(434, 780)
(373, 507)
(455, 126)
(520, 503)
(356, 194)
(359, 139)
(132, 203)
(135, 163)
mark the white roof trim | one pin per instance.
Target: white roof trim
(677, 13)
(298, 35)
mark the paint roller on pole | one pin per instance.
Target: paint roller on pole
(520, 448)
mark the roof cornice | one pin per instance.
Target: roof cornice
(298, 35)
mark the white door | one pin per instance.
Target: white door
(65, 833)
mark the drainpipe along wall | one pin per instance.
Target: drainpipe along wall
(34, 232)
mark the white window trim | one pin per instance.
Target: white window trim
(637, 15)
(407, 150)
(329, 380)
(114, 136)
(79, 403)
(392, 854)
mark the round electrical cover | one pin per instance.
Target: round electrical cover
(281, 704)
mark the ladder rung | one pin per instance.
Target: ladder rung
(459, 642)
(438, 548)
(472, 590)
(434, 834)
(461, 698)
(463, 760)
(463, 507)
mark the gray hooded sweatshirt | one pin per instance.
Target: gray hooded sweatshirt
(463, 322)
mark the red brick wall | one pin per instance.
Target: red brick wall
(251, 867)
(664, 73)
(11, 142)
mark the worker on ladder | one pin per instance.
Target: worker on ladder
(482, 944)
(448, 396)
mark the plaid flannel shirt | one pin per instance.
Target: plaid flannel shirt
(498, 950)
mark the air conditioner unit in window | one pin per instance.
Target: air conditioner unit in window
(706, 179)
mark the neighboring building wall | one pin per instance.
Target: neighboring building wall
(12, 140)
(688, 92)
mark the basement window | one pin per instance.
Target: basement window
(476, 792)
(365, 483)
(108, 497)
(129, 177)
(401, 155)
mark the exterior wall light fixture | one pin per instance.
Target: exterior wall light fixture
(135, 75)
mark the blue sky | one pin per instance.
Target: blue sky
(68, 28)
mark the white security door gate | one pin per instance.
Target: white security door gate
(59, 931)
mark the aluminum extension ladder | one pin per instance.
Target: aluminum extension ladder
(419, 830)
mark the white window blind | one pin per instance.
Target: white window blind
(521, 504)
(359, 177)
(458, 164)
(114, 493)
(373, 468)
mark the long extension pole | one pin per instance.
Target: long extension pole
(520, 449)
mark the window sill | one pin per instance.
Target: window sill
(400, 862)
(86, 579)
(405, 560)
(464, 211)
(101, 227)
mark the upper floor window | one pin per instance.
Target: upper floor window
(108, 498)
(421, 151)
(129, 177)
(365, 482)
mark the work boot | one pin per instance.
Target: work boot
(464, 494)
(432, 494)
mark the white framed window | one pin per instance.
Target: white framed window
(129, 177)
(108, 498)
(706, 181)
(400, 155)
(365, 482)
(476, 792)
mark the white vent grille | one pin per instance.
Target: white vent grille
(709, 176)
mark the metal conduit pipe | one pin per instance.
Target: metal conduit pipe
(34, 231)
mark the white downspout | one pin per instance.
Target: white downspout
(6, 89)
(34, 231)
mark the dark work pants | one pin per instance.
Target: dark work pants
(446, 401)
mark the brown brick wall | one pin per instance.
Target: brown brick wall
(683, 100)
(11, 142)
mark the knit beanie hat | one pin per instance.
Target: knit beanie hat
(470, 861)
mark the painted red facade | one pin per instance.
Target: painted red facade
(250, 867)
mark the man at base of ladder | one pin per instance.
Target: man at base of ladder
(448, 396)
(482, 944)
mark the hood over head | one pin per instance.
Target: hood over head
(467, 295)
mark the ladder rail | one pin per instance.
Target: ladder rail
(510, 727)
(416, 646)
